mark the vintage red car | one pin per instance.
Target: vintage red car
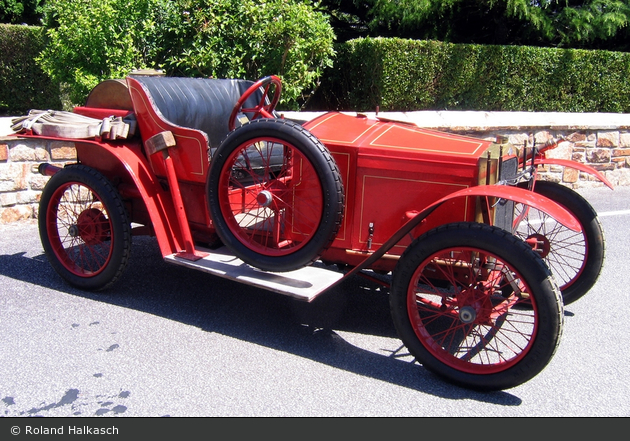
(476, 252)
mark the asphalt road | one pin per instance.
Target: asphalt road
(170, 341)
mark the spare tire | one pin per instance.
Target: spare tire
(275, 195)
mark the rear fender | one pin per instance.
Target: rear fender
(576, 165)
(158, 201)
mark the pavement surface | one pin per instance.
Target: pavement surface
(170, 341)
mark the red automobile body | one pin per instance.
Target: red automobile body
(395, 185)
(395, 175)
(392, 172)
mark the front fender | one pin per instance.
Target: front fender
(520, 195)
(526, 197)
(576, 165)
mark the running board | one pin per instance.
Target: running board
(303, 284)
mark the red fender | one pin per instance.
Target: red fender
(577, 165)
(527, 197)
(158, 202)
(516, 194)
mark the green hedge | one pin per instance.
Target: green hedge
(396, 75)
(23, 85)
(405, 75)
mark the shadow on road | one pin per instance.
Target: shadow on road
(264, 318)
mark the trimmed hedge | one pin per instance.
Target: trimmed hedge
(404, 75)
(23, 85)
(396, 75)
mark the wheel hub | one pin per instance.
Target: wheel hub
(474, 305)
(264, 198)
(73, 231)
(92, 226)
(540, 244)
(467, 314)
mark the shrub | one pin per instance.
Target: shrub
(23, 85)
(91, 41)
(249, 39)
(26, 12)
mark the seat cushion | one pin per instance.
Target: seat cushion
(198, 103)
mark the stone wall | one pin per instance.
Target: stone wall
(605, 151)
(599, 140)
(20, 183)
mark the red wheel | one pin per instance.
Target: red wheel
(83, 228)
(477, 306)
(275, 194)
(265, 106)
(575, 259)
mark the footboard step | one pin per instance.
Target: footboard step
(303, 284)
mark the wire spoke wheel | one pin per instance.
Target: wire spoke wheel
(471, 307)
(83, 228)
(80, 233)
(575, 258)
(261, 196)
(275, 195)
(467, 317)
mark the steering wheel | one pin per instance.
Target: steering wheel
(261, 110)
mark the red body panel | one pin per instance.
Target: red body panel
(395, 139)
(392, 171)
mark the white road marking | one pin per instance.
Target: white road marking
(614, 213)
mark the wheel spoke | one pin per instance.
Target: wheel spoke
(476, 305)
(575, 258)
(84, 244)
(567, 251)
(80, 230)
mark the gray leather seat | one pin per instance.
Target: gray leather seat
(198, 103)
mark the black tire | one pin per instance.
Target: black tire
(488, 327)
(575, 259)
(84, 228)
(275, 195)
